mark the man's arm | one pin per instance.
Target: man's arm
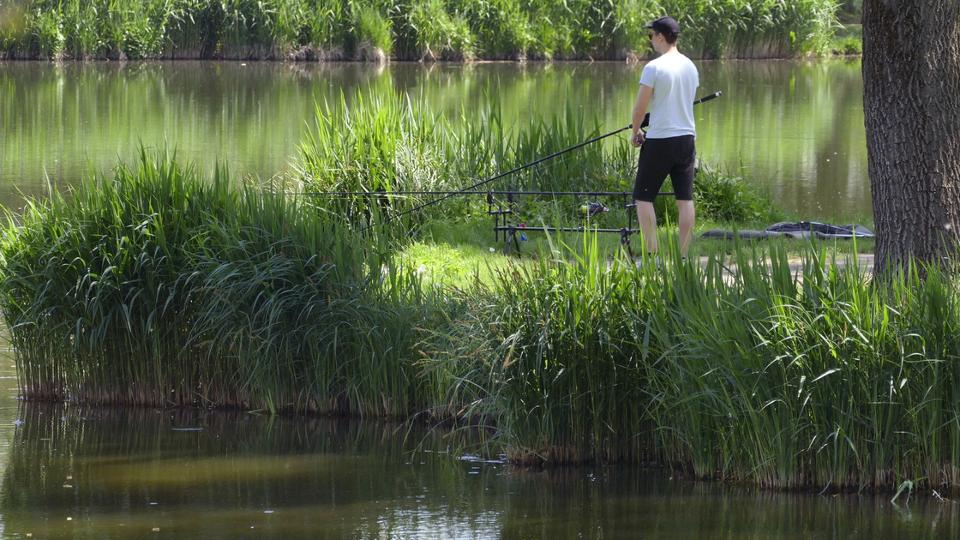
(639, 111)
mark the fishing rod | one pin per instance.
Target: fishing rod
(524, 167)
(401, 194)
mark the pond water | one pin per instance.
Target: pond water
(93, 473)
(793, 128)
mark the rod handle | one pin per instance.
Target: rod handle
(705, 99)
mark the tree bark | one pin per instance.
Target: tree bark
(911, 76)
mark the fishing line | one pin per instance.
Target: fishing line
(538, 169)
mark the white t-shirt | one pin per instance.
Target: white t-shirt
(674, 80)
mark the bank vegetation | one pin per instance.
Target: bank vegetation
(379, 30)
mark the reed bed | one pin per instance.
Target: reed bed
(406, 30)
(156, 286)
(747, 368)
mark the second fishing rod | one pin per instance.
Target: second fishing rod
(524, 167)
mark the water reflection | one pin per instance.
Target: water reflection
(131, 473)
(122, 473)
(795, 127)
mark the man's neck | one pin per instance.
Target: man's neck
(672, 50)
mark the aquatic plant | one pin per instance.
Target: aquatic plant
(452, 29)
(439, 34)
(390, 144)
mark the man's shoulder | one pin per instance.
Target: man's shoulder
(651, 64)
(649, 73)
(670, 62)
(687, 61)
(677, 58)
(658, 61)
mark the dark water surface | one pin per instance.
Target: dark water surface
(795, 128)
(84, 473)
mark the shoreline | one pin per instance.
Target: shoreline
(675, 470)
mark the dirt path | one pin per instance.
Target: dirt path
(864, 264)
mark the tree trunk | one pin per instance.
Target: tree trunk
(911, 77)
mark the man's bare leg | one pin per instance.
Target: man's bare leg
(688, 217)
(648, 225)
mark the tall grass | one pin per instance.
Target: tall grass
(744, 369)
(390, 143)
(833, 381)
(731, 28)
(439, 34)
(408, 30)
(208, 294)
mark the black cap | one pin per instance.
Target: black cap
(665, 25)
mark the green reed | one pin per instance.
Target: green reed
(744, 368)
(156, 286)
(730, 28)
(407, 30)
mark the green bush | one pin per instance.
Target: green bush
(722, 198)
(731, 199)
(849, 46)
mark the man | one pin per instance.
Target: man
(668, 87)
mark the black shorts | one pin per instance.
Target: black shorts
(676, 156)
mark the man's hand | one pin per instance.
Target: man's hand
(639, 112)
